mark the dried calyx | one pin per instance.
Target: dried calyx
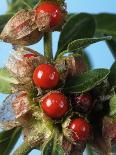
(27, 27)
(23, 67)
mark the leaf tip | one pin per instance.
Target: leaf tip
(109, 37)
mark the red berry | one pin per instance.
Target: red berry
(55, 105)
(84, 102)
(46, 76)
(114, 139)
(29, 55)
(80, 129)
(54, 10)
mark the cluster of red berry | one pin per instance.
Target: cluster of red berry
(55, 104)
(42, 103)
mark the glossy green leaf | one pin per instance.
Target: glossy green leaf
(3, 20)
(6, 81)
(78, 26)
(86, 81)
(8, 140)
(113, 105)
(112, 75)
(106, 23)
(82, 43)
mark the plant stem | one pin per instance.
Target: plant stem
(24, 149)
(89, 150)
(48, 45)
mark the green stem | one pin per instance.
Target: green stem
(24, 149)
(48, 45)
(89, 150)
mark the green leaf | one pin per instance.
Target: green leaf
(112, 75)
(87, 60)
(53, 147)
(106, 23)
(8, 140)
(82, 43)
(113, 105)
(112, 46)
(16, 5)
(78, 26)
(6, 81)
(86, 81)
(3, 20)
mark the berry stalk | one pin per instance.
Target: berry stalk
(48, 45)
(89, 150)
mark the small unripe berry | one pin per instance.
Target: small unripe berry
(46, 76)
(80, 129)
(55, 105)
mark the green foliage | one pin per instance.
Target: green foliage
(78, 26)
(6, 81)
(3, 20)
(106, 24)
(112, 75)
(16, 5)
(8, 140)
(87, 60)
(53, 147)
(82, 43)
(112, 46)
(113, 105)
(79, 44)
(86, 81)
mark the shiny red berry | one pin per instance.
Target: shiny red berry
(84, 102)
(46, 76)
(55, 105)
(29, 55)
(54, 10)
(80, 129)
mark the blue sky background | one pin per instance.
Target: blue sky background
(99, 52)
